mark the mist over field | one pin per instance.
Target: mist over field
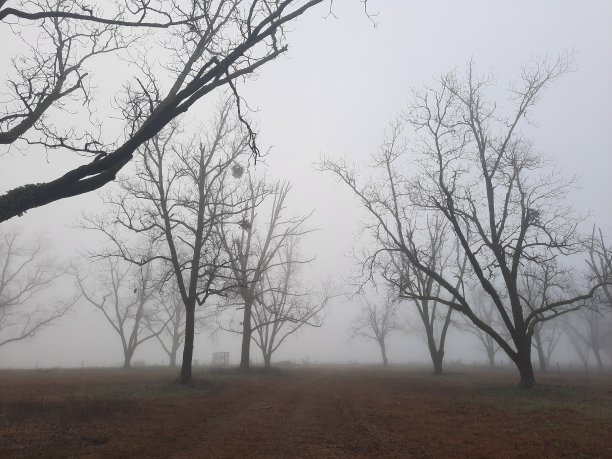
(340, 200)
(345, 77)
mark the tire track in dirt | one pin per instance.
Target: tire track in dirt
(299, 415)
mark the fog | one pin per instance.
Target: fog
(332, 95)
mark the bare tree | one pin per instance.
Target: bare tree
(124, 294)
(173, 334)
(181, 51)
(504, 206)
(546, 336)
(485, 309)
(179, 195)
(26, 272)
(589, 331)
(170, 318)
(254, 246)
(172, 313)
(376, 322)
(540, 284)
(600, 263)
(412, 284)
(281, 308)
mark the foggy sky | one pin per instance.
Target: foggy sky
(333, 94)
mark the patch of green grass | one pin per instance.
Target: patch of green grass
(546, 399)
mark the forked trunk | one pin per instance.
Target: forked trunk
(127, 358)
(437, 358)
(185, 377)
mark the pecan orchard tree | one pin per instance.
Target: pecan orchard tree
(376, 321)
(27, 272)
(252, 247)
(282, 306)
(501, 199)
(181, 191)
(431, 243)
(124, 294)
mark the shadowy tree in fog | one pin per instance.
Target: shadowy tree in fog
(503, 203)
(589, 330)
(170, 318)
(124, 293)
(26, 274)
(281, 307)
(540, 283)
(485, 309)
(170, 321)
(253, 247)
(180, 51)
(431, 245)
(600, 263)
(376, 322)
(178, 196)
(546, 336)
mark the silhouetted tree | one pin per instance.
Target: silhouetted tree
(376, 322)
(546, 336)
(253, 247)
(27, 272)
(600, 263)
(485, 309)
(124, 294)
(178, 196)
(589, 331)
(431, 244)
(540, 284)
(281, 307)
(503, 204)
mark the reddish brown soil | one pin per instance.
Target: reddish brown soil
(323, 412)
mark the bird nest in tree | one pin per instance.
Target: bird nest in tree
(245, 224)
(237, 170)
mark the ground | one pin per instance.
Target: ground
(302, 412)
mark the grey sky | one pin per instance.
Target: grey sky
(333, 94)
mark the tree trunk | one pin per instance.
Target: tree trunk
(185, 377)
(173, 359)
(600, 365)
(127, 360)
(437, 357)
(524, 365)
(491, 355)
(245, 354)
(267, 359)
(540, 348)
(383, 351)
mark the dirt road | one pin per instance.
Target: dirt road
(302, 413)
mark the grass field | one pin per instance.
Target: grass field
(310, 412)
